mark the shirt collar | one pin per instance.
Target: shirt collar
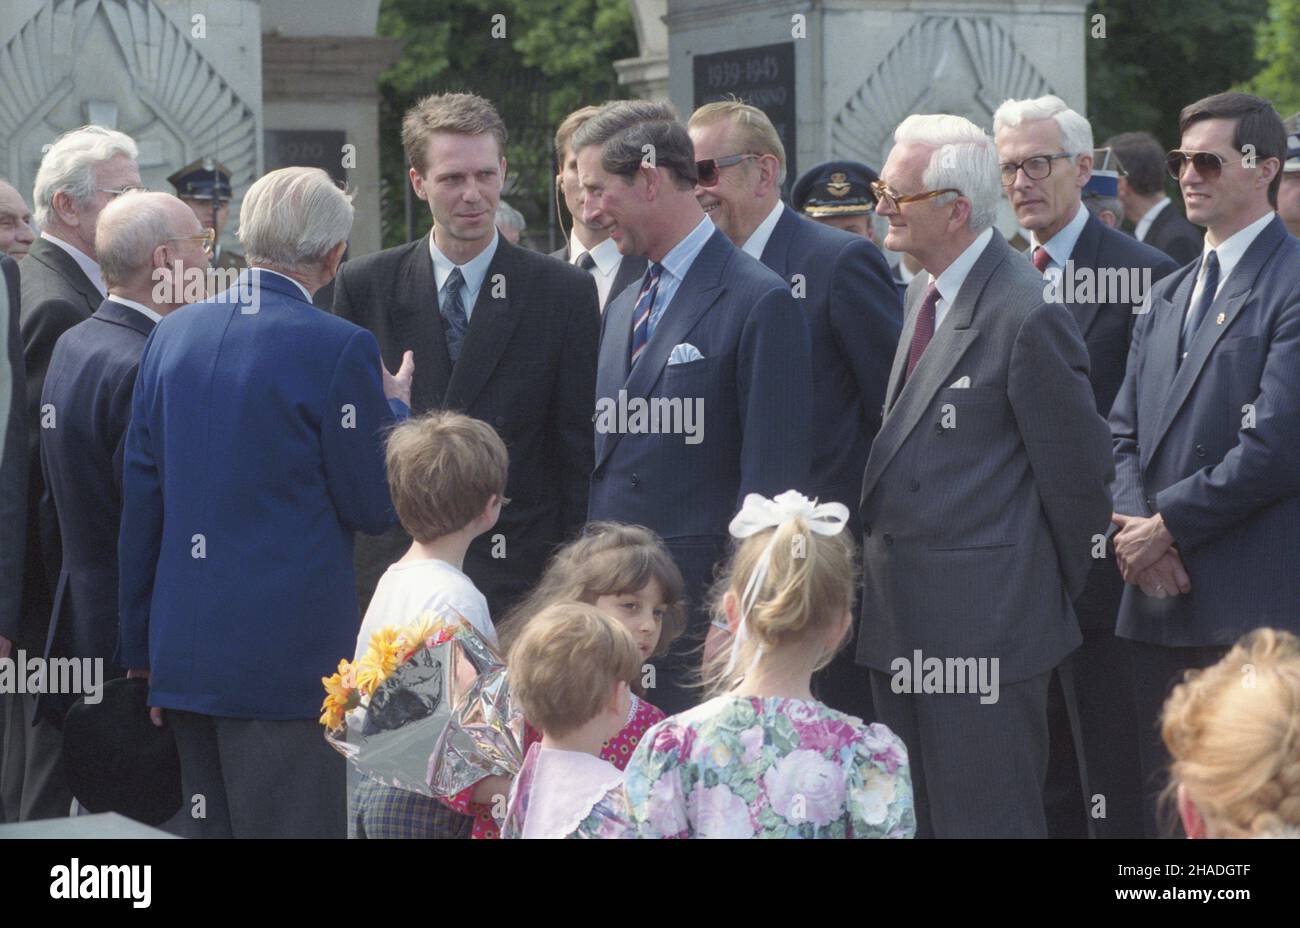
(950, 281)
(266, 270)
(1061, 245)
(682, 255)
(89, 266)
(1232, 249)
(606, 254)
(473, 270)
(1148, 218)
(139, 307)
(757, 240)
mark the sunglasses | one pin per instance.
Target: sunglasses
(887, 196)
(1208, 164)
(710, 168)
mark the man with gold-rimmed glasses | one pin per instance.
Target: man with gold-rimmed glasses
(204, 186)
(986, 479)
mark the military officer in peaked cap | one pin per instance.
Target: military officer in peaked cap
(204, 186)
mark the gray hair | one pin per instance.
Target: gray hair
(964, 158)
(1076, 131)
(292, 217)
(630, 132)
(129, 229)
(507, 215)
(1097, 205)
(69, 166)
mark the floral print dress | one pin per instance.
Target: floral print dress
(751, 767)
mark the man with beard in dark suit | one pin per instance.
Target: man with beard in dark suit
(499, 333)
(589, 247)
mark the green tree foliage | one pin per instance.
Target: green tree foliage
(1277, 47)
(554, 56)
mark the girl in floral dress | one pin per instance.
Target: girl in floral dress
(571, 672)
(762, 758)
(625, 572)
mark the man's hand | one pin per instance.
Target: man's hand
(155, 713)
(398, 386)
(1166, 577)
(1139, 543)
(6, 647)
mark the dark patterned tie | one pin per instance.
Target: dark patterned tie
(924, 330)
(1192, 321)
(1041, 259)
(586, 261)
(641, 314)
(453, 313)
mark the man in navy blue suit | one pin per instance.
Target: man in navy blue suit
(1207, 422)
(1046, 156)
(145, 243)
(842, 283)
(254, 453)
(704, 386)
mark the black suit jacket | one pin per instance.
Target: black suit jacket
(527, 367)
(88, 386)
(56, 295)
(630, 270)
(1175, 236)
(854, 316)
(13, 450)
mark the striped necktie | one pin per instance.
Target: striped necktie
(641, 315)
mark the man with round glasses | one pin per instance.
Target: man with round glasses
(1207, 422)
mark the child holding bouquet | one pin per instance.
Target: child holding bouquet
(762, 758)
(571, 671)
(626, 573)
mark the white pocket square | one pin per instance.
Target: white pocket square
(685, 352)
(961, 383)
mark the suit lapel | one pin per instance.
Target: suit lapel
(417, 325)
(915, 294)
(1160, 351)
(490, 327)
(615, 346)
(1087, 253)
(952, 339)
(630, 269)
(776, 253)
(63, 264)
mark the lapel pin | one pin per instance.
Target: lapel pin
(1219, 321)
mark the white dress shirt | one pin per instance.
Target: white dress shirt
(950, 281)
(1144, 224)
(1230, 252)
(1061, 245)
(138, 307)
(89, 266)
(608, 260)
(473, 271)
(757, 240)
(676, 264)
(266, 270)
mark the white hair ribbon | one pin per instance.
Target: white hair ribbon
(759, 513)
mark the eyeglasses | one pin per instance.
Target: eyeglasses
(1208, 164)
(115, 192)
(710, 168)
(890, 197)
(1039, 167)
(208, 237)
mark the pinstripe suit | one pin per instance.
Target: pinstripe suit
(979, 506)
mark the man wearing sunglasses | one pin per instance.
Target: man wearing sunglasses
(986, 482)
(146, 243)
(1207, 422)
(708, 328)
(80, 174)
(1045, 159)
(843, 285)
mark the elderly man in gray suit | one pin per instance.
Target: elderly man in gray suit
(985, 495)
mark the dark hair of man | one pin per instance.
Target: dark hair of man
(1258, 125)
(1143, 161)
(631, 132)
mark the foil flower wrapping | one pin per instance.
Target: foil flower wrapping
(444, 695)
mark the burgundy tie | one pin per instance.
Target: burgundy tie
(1041, 259)
(924, 330)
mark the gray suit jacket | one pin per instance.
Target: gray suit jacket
(980, 504)
(13, 451)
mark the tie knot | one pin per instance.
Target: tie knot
(1041, 259)
(655, 270)
(931, 296)
(455, 280)
(1211, 262)
(586, 261)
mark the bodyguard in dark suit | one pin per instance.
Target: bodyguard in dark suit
(142, 240)
(13, 472)
(709, 333)
(61, 286)
(842, 283)
(1157, 220)
(500, 333)
(1101, 276)
(1207, 423)
(984, 487)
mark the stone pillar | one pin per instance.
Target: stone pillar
(647, 74)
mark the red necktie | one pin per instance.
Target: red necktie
(924, 330)
(1041, 259)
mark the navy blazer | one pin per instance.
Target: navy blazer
(88, 390)
(753, 381)
(854, 316)
(1213, 444)
(254, 452)
(1171, 233)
